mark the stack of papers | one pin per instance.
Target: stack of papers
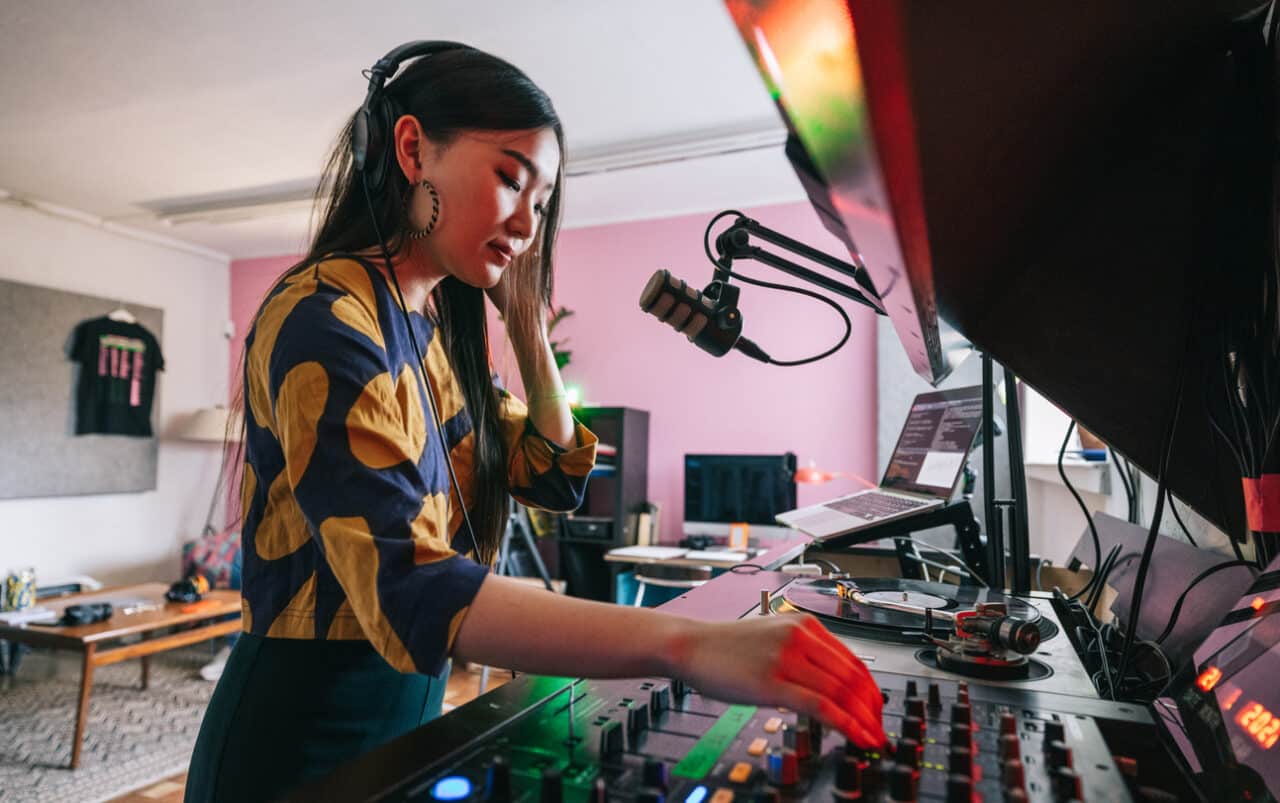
(28, 616)
(715, 555)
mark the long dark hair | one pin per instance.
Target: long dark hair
(450, 92)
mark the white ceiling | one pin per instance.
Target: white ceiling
(107, 107)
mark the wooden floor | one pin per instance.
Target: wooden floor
(464, 686)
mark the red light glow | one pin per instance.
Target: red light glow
(1257, 603)
(1260, 724)
(1209, 678)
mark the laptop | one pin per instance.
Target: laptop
(921, 475)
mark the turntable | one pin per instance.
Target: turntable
(945, 631)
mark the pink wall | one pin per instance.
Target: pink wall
(697, 403)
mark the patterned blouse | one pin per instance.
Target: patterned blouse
(351, 527)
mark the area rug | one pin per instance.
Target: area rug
(133, 738)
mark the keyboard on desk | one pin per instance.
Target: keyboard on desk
(875, 505)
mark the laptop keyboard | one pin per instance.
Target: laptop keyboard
(871, 506)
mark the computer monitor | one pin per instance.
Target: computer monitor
(724, 489)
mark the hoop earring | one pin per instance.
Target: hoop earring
(418, 234)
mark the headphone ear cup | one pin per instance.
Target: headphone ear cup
(380, 160)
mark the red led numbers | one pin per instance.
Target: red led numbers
(1209, 678)
(1259, 723)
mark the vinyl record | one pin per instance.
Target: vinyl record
(820, 597)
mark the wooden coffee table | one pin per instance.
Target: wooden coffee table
(98, 643)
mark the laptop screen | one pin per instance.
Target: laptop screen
(935, 441)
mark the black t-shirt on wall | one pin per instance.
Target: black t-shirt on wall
(118, 364)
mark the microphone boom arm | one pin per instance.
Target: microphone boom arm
(735, 243)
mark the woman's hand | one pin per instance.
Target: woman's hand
(790, 661)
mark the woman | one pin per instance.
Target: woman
(363, 574)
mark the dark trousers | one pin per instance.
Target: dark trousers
(287, 711)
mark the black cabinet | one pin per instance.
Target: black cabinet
(617, 490)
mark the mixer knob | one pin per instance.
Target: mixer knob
(599, 792)
(913, 728)
(678, 691)
(1066, 783)
(960, 760)
(1010, 748)
(962, 693)
(961, 714)
(848, 779)
(655, 773)
(797, 738)
(610, 740)
(908, 753)
(902, 783)
(1054, 731)
(959, 789)
(767, 794)
(498, 780)
(815, 735)
(1013, 774)
(1057, 754)
(552, 785)
(1008, 724)
(915, 707)
(912, 689)
(784, 768)
(1016, 795)
(962, 735)
(649, 795)
(637, 719)
(659, 699)
(935, 697)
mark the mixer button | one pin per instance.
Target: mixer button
(961, 714)
(553, 786)
(914, 707)
(935, 697)
(848, 779)
(610, 740)
(741, 772)
(908, 752)
(1057, 754)
(1054, 731)
(758, 746)
(797, 738)
(912, 688)
(599, 792)
(498, 780)
(659, 699)
(959, 789)
(1016, 795)
(1013, 774)
(913, 728)
(960, 760)
(1066, 783)
(637, 719)
(655, 773)
(722, 795)
(902, 783)
(650, 796)
(1010, 748)
(784, 767)
(961, 736)
(1009, 724)
(772, 724)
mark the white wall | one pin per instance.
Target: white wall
(122, 538)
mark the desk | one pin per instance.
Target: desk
(95, 641)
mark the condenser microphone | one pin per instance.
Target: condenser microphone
(712, 324)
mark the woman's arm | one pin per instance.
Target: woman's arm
(544, 390)
(790, 661)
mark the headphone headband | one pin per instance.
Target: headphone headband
(370, 135)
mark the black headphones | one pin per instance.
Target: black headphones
(376, 119)
(372, 158)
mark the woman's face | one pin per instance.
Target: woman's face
(494, 188)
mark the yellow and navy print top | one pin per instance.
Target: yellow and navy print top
(351, 527)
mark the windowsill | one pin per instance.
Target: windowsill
(1085, 475)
